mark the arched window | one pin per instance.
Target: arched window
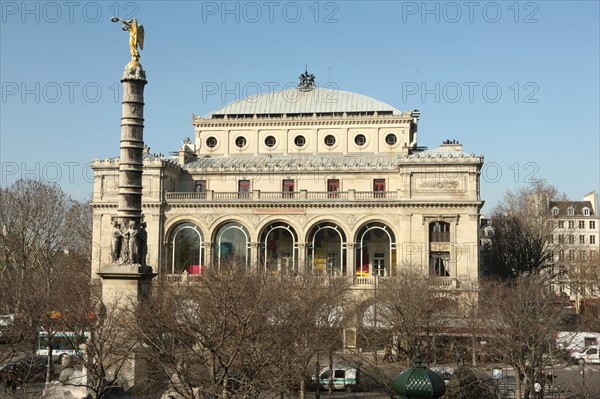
(232, 244)
(439, 232)
(375, 250)
(187, 249)
(279, 249)
(327, 253)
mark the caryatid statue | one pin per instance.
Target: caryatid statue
(136, 37)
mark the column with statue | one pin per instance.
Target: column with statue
(126, 278)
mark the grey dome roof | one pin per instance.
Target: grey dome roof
(296, 101)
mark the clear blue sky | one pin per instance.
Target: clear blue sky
(517, 82)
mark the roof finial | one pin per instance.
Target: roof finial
(307, 80)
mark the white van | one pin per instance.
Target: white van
(589, 355)
(344, 378)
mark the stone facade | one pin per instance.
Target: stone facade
(292, 186)
(576, 243)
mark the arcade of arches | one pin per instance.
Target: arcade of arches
(278, 248)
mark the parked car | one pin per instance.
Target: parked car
(20, 371)
(344, 378)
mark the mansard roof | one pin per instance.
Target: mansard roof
(577, 206)
(304, 102)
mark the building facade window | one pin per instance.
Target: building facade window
(561, 239)
(379, 188)
(333, 187)
(244, 188)
(299, 141)
(240, 141)
(571, 224)
(571, 211)
(582, 239)
(360, 140)
(439, 232)
(582, 255)
(582, 224)
(592, 224)
(391, 139)
(278, 249)
(186, 249)
(586, 211)
(232, 246)
(571, 238)
(327, 250)
(571, 255)
(288, 188)
(329, 140)
(211, 142)
(561, 224)
(551, 239)
(379, 264)
(270, 141)
(555, 211)
(592, 239)
(200, 186)
(375, 250)
(439, 264)
(561, 255)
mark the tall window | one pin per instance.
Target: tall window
(571, 239)
(439, 264)
(200, 186)
(582, 239)
(379, 188)
(439, 232)
(592, 224)
(571, 224)
(232, 245)
(288, 188)
(582, 224)
(333, 186)
(561, 224)
(561, 239)
(187, 245)
(244, 188)
(379, 264)
(592, 239)
(571, 211)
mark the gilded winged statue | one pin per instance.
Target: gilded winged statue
(136, 36)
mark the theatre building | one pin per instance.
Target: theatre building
(304, 180)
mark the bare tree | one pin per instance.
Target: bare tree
(521, 241)
(520, 319)
(234, 332)
(40, 253)
(104, 340)
(408, 315)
